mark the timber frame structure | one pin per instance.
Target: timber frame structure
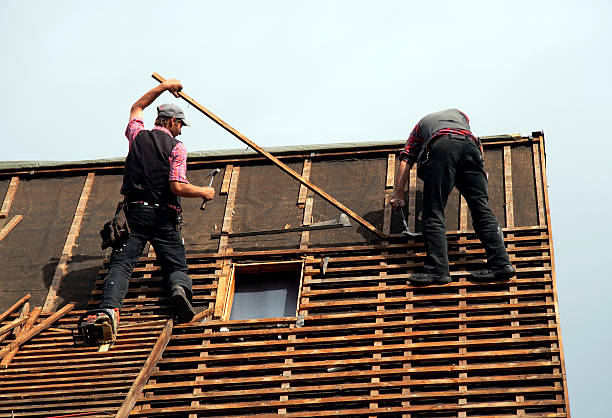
(364, 341)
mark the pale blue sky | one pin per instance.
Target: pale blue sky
(288, 72)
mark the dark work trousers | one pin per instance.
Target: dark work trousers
(455, 160)
(156, 224)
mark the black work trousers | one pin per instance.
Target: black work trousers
(156, 224)
(455, 160)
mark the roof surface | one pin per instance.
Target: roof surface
(365, 342)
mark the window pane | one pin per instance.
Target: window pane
(266, 295)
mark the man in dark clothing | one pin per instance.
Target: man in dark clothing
(448, 155)
(153, 183)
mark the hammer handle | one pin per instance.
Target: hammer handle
(209, 185)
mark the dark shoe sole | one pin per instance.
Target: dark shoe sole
(493, 276)
(424, 280)
(183, 310)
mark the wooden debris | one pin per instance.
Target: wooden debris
(21, 339)
(9, 197)
(9, 226)
(31, 319)
(13, 308)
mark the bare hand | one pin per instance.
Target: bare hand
(208, 193)
(397, 202)
(173, 86)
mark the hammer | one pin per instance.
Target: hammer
(212, 175)
(407, 231)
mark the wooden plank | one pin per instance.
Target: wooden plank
(335, 400)
(303, 193)
(203, 315)
(229, 394)
(20, 340)
(15, 306)
(488, 349)
(463, 214)
(276, 161)
(227, 175)
(9, 226)
(412, 193)
(306, 220)
(435, 297)
(508, 194)
(553, 271)
(229, 210)
(73, 233)
(11, 326)
(229, 298)
(314, 367)
(146, 371)
(537, 172)
(222, 289)
(9, 197)
(351, 375)
(31, 319)
(390, 171)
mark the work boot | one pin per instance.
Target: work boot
(181, 307)
(423, 279)
(494, 274)
(105, 322)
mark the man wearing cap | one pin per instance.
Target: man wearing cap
(154, 181)
(448, 155)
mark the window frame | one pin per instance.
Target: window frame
(259, 267)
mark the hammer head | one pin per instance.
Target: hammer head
(213, 173)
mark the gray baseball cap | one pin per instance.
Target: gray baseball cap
(170, 110)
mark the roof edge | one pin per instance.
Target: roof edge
(209, 154)
(229, 153)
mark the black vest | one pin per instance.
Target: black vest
(147, 168)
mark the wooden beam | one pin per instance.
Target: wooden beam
(553, 271)
(229, 209)
(222, 288)
(276, 161)
(9, 197)
(303, 190)
(15, 306)
(390, 171)
(537, 173)
(306, 220)
(11, 326)
(21, 339)
(9, 226)
(73, 233)
(146, 372)
(508, 193)
(227, 175)
(203, 315)
(412, 189)
(31, 319)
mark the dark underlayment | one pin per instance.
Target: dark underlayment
(314, 322)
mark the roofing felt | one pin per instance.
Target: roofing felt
(364, 342)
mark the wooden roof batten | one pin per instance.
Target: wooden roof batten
(365, 342)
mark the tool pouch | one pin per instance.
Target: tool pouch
(115, 232)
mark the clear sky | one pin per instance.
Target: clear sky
(288, 72)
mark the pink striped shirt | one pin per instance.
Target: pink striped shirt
(178, 156)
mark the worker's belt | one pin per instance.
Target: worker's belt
(140, 202)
